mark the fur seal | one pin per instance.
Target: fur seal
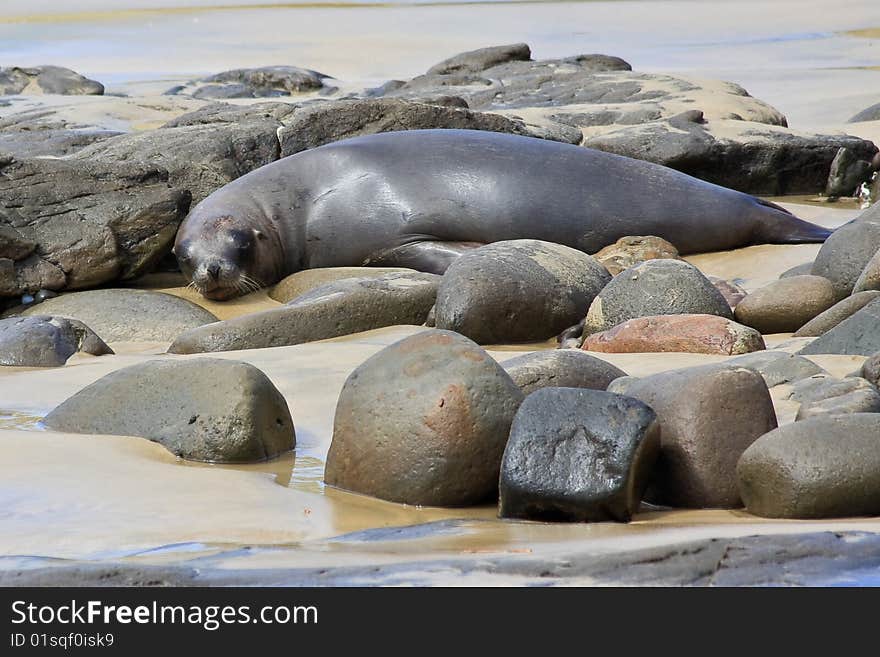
(419, 198)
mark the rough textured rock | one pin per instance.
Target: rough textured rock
(70, 225)
(41, 132)
(322, 123)
(696, 334)
(845, 253)
(629, 251)
(46, 341)
(871, 113)
(824, 322)
(848, 172)
(578, 455)
(655, 287)
(777, 367)
(824, 467)
(478, 60)
(787, 304)
(708, 416)
(17, 80)
(566, 368)
(517, 291)
(204, 409)
(297, 284)
(826, 395)
(213, 113)
(856, 334)
(731, 292)
(434, 438)
(340, 308)
(124, 315)
(263, 82)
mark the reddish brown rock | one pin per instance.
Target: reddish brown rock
(731, 292)
(698, 334)
(634, 249)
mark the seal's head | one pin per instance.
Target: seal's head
(225, 257)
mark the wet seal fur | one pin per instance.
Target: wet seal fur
(420, 198)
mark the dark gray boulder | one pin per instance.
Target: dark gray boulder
(826, 395)
(845, 253)
(560, 368)
(262, 82)
(46, 341)
(127, 315)
(48, 80)
(871, 113)
(856, 334)
(204, 409)
(435, 437)
(824, 322)
(708, 416)
(478, 60)
(213, 113)
(322, 123)
(76, 224)
(777, 367)
(517, 291)
(848, 172)
(824, 467)
(655, 287)
(578, 455)
(787, 304)
(41, 132)
(328, 311)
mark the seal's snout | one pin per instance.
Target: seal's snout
(214, 271)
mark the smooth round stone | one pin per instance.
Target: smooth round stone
(826, 395)
(786, 305)
(560, 368)
(845, 253)
(297, 284)
(45, 341)
(827, 320)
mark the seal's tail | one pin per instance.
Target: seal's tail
(776, 225)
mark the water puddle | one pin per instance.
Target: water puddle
(302, 473)
(17, 420)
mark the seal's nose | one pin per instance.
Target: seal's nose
(214, 271)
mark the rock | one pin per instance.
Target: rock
(46, 341)
(869, 279)
(798, 270)
(38, 133)
(339, 308)
(83, 223)
(629, 251)
(695, 334)
(848, 172)
(655, 287)
(560, 369)
(297, 284)
(870, 369)
(871, 113)
(322, 123)
(845, 253)
(263, 82)
(824, 322)
(856, 334)
(578, 455)
(731, 292)
(125, 315)
(213, 113)
(825, 395)
(434, 438)
(199, 158)
(17, 80)
(777, 367)
(517, 291)
(824, 467)
(204, 409)
(708, 416)
(787, 304)
(475, 61)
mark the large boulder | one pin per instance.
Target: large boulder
(45, 341)
(341, 308)
(295, 285)
(825, 321)
(824, 467)
(436, 436)
(696, 334)
(203, 409)
(578, 455)
(846, 252)
(633, 250)
(708, 416)
(322, 123)
(517, 291)
(71, 225)
(786, 305)
(46, 80)
(560, 368)
(127, 315)
(857, 334)
(655, 287)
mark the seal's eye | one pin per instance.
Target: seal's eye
(240, 240)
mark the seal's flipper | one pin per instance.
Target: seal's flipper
(776, 225)
(427, 256)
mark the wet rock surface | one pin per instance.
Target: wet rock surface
(46, 341)
(203, 409)
(578, 455)
(435, 438)
(708, 416)
(562, 368)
